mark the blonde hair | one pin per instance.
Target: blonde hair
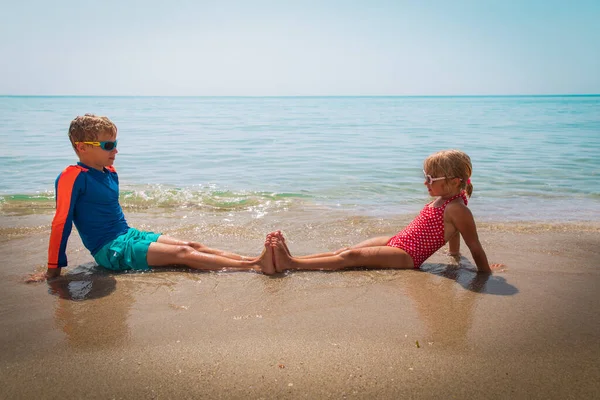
(451, 164)
(88, 127)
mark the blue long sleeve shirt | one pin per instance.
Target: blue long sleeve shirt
(90, 199)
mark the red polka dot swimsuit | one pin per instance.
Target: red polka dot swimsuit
(425, 234)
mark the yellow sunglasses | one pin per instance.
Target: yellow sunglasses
(107, 145)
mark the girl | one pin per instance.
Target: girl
(447, 178)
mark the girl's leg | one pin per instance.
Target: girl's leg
(368, 257)
(162, 254)
(377, 241)
(203, 249)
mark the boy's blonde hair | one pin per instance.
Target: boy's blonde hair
(451, 164)
(88, 127)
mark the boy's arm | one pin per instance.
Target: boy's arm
(462, 218)
(454, 245)
(67, 191)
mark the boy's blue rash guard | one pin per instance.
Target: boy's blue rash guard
(90, 199)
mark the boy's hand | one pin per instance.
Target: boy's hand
(53, 273)
(42, 276)
(37, 277)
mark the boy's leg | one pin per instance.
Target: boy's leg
(164, 254)
(368, 257)
(202, 248)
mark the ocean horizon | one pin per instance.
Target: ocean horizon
(315, 96)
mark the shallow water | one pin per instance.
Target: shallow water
(534, 158)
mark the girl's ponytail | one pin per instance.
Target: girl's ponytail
(469, 187)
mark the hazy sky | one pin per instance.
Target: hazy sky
(290, 47)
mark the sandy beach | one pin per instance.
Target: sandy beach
(531, 331)
(332, 122)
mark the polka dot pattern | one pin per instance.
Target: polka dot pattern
(425, 234)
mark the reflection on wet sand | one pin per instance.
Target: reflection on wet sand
(94, 314)
(90, 310)
(446, 297)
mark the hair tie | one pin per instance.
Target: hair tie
(469, 181)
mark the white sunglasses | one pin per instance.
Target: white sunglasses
(430, 180)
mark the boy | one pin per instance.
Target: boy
(88, 195)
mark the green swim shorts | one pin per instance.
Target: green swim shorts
(127, 251)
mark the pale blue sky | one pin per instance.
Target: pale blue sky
(296, 48)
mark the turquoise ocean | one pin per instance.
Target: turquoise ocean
(535, 158)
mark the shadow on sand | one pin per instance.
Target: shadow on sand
(465, 274)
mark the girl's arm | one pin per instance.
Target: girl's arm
(463, 220)
(454, 245)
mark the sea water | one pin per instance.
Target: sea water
(535, 158)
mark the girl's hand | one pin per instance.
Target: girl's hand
(494, 268)
(498, 267)
(455, 256)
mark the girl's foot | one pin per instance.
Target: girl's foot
(279, 236)
(282, 259)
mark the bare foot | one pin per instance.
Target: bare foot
(269, 247)
(279, 236)
(283, 260)
(271, 240)
(266, 260)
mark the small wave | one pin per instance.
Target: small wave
(158, 196)
(205, 199)
(27, 204)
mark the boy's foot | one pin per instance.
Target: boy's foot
(266, 260)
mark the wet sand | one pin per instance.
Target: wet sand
(531, 331)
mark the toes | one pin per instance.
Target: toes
(274, 241)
